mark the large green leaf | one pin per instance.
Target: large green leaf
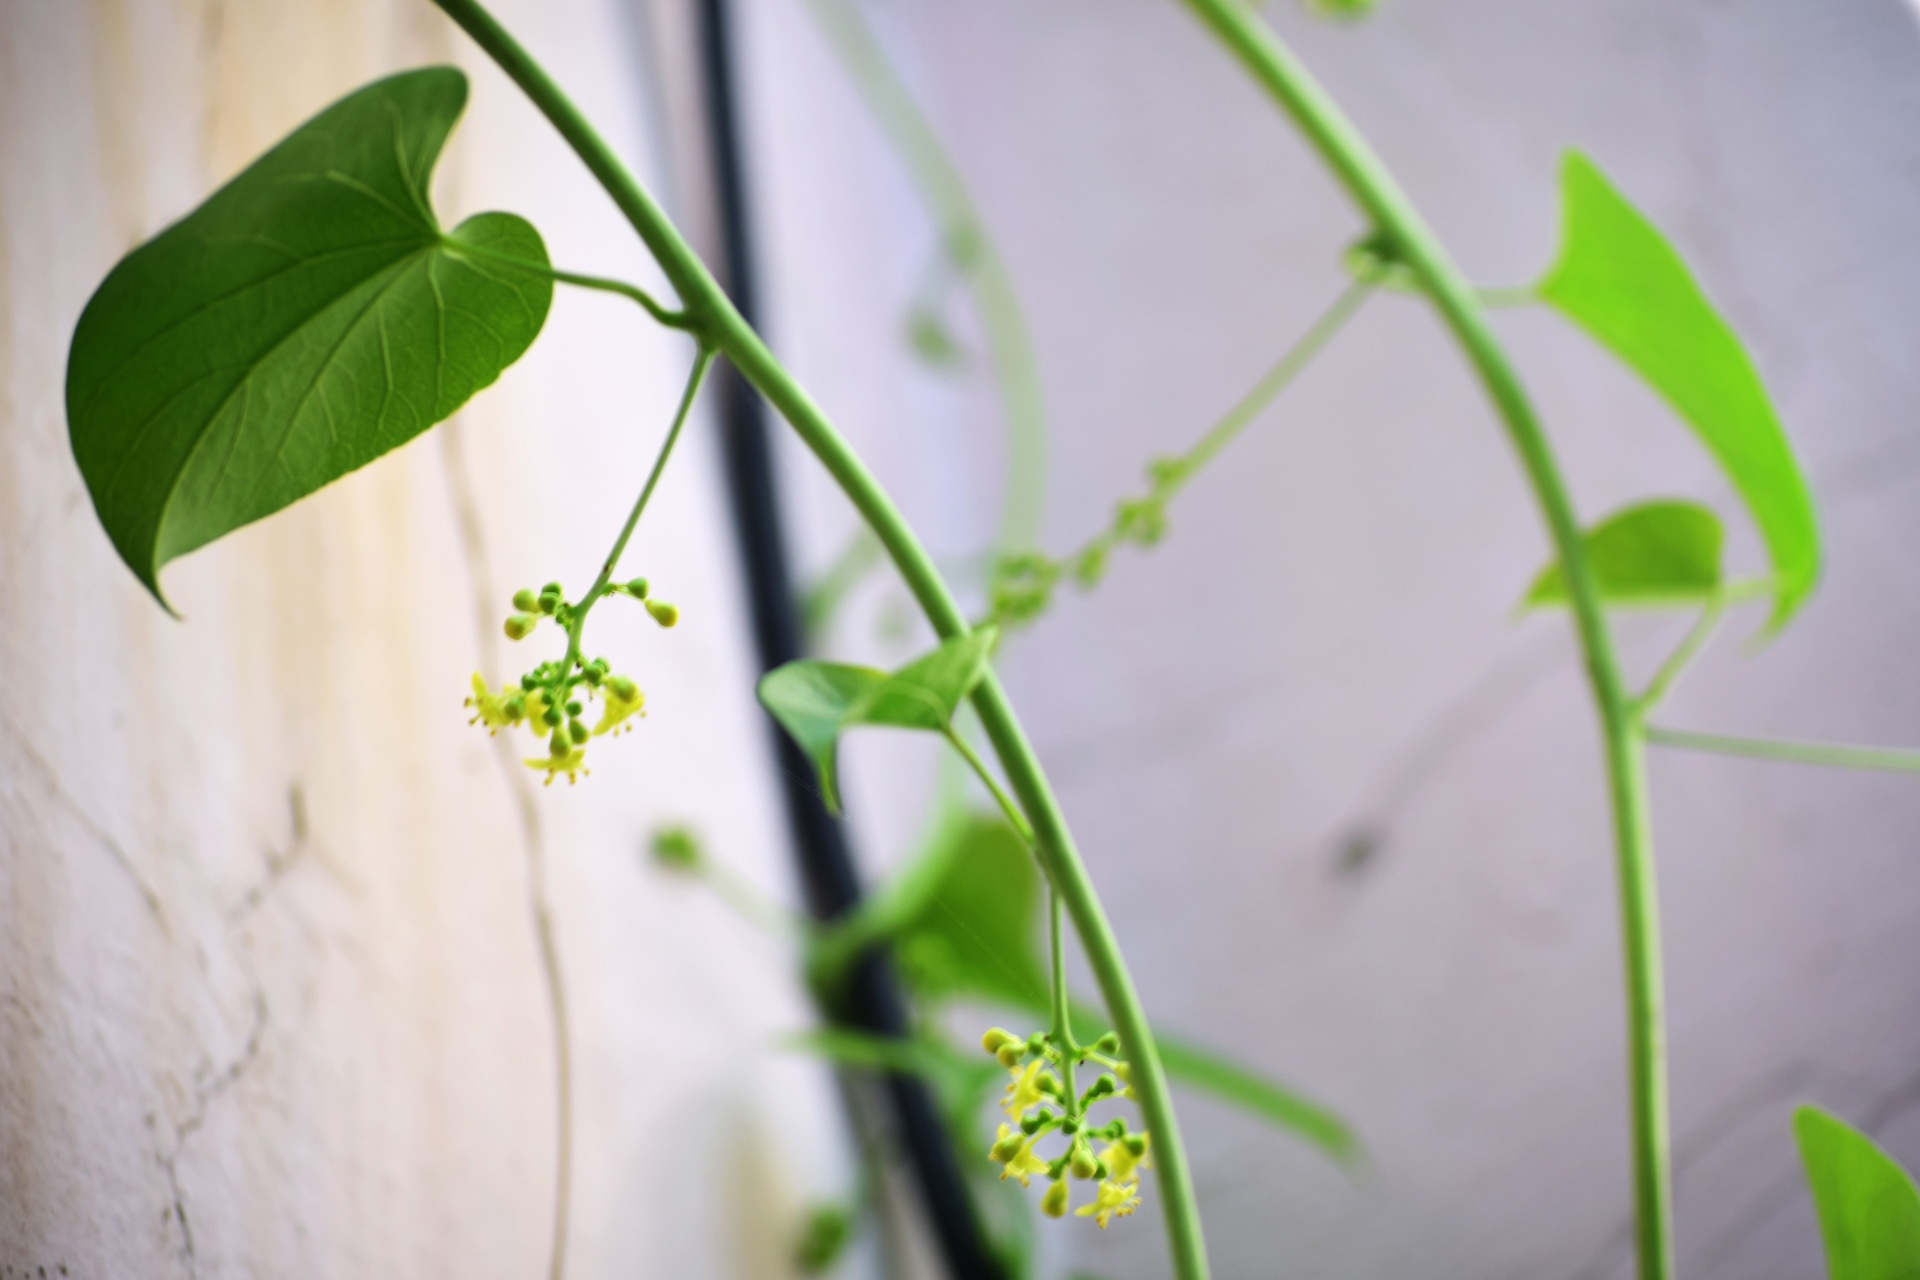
(817, 701)
(1619, 278)
(1665, 552)
(309, 317)
(1869, 1208)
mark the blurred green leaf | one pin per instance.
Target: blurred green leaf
(1619, 278)
(926, 692)
(810, 700)
(307, 318)
(1665, 552)
(973, 933)
(1869, 1208)
(1232, 1083)
(816, 701)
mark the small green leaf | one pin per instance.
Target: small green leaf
(310, 316)
(811, 699)
(1869, 1208)
(926, 692)
(815, 701)
(1619, 278)
(1665, 552)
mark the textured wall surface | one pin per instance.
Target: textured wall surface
(1323, 649)
(270, 993)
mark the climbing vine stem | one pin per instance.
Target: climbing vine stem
(713, 317)
(1406, 235)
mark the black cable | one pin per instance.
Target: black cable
(872, 1000)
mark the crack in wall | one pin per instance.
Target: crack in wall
(212, 1083)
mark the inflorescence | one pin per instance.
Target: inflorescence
(551, 699)
(1041, 1101)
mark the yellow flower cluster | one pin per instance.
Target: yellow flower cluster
(1042, 1073)
(559, 722)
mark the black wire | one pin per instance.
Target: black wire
(872, 999)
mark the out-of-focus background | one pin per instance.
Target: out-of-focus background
(270, 996)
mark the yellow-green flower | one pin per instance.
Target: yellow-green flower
(1111, 1200)
(490, 709)
(1054, 1203)
(1023, 1164)
(623, 699)
(1122, 1164)
(571, 764)
(1024, 1093)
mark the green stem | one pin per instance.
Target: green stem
(1839, 756)
(1373, 188)
(980, 770)
(1678, 661)
(970, 249)
(715, 318)
(1284, 371)
(701, 363)
(666, 316)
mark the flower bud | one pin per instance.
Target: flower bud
(551, 589)
(577, 731)
(574, 708)
(520, 626)
(1136, 1144)
(663, 613)
(624, 688)
(1009, 1055)
(526, 599)
(638, 587)
(595, 674)
(1070, 1126)
(1083, 1164)
(549, 601)
(1108, 1044)
(516, 707)
(529, 682)
(1049, 1086)
(1036, 1043)
(1007, 1148)
(1054, 1203)
(559, 745)
(994, 1038)
(676, 848)
(1037, 1121)
(552, 716)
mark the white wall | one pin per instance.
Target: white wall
(270, 999)
(1324, 644)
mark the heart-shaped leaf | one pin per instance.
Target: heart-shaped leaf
(309, 317)
(815, 701)
(1619, 278)
(1869, 1208)
(1665, 552)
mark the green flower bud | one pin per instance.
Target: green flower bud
(1007, 1148)
(577, 731)
(529, 682)
(526, 599)
(1054, 1203)
(1049, 1086)
(574, 708)
(551, 589)
(995, 1038)
(551, 715)
(1108, 1044)
(1135, 1143)
(516, 707)
(520, 626)
(594, 676)
(1036, 1043)
(549, 601)
(1083, 1164)
(1038, 1120)
(1070, 1126)
(638, 587)
(676, 848)
(1010, 1055)
(663, 613)
(559, 745)
(1100, 1171)
(624, 688)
